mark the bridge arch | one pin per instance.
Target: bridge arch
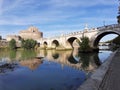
(55, 43)
(100, 35)
(45, 44)
(70, 41)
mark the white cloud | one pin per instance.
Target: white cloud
(56, 14)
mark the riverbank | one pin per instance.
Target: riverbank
(97, 78)
(112, 77)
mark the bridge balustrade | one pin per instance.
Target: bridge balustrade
(109, 27)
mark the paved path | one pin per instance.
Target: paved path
(111, 80)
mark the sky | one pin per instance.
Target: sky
(54, 17)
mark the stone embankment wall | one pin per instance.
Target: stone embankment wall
(94, 82)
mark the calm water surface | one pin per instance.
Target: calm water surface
(57, 70)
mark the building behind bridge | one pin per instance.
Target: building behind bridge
(31, 33)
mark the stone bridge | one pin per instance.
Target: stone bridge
(68, 41)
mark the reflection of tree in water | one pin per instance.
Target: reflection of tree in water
(27, 54)
(4, 53)
(6, 65)
(12, 54)
(26, 57)
(86, 58)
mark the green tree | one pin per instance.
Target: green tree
(84, 44)
(12, 44)
(28, 44)
(116, 40)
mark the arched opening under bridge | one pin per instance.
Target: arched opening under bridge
(45, 44)
(103, 38)
(73, 42)
(55, 44)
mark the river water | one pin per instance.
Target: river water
(55, 70)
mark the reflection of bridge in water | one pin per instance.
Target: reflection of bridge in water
(66, 58)
(88, 62)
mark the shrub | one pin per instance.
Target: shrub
(12, 44)
(84, 44)
(28, 44)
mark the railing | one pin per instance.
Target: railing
(109, 27)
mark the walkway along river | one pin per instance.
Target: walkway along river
(106, 77)
(58, 70)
